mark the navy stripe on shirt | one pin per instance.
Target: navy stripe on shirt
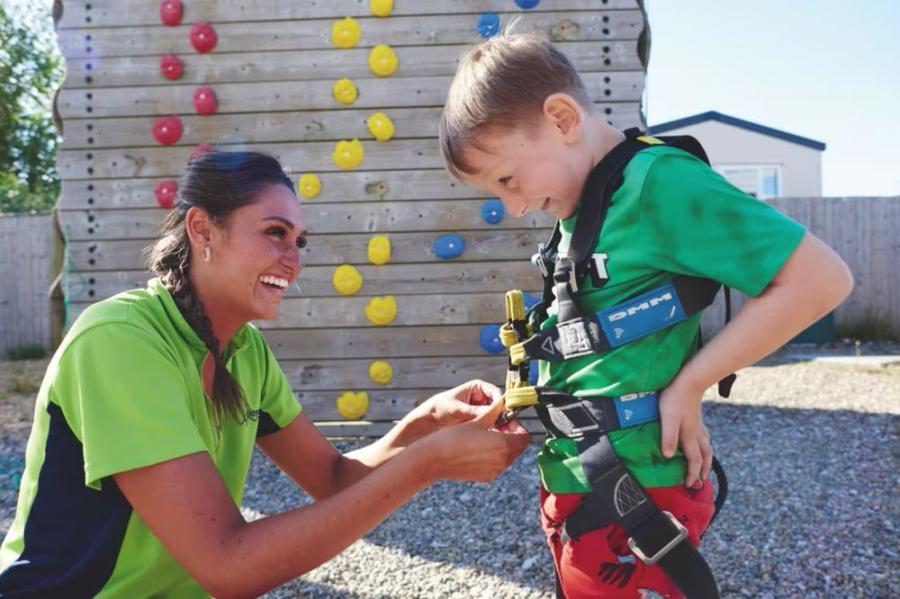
(73, 533)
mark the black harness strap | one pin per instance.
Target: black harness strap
(656, 537)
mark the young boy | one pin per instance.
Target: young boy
(520, 124)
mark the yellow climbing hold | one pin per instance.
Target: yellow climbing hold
(382, 60)
(379, 250)
(344, 91)
(381, 8)
(353, 405)
(345, 33)
(381, 310)
(348, 154)
(309, 185)
(381, 372)
(381, 126)
(346, 279)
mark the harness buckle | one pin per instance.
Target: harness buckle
(574, 338)
(540, 260)
(682, 535)
(565, 273)
(579, 409)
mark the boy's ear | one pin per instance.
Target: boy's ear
(564, 112)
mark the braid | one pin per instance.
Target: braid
(227, 395)
(170, 258)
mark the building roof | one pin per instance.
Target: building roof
(712, 115)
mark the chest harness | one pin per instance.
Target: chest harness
(655, 536)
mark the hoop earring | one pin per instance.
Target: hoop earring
(207, 254)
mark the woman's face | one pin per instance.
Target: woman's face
(255, 257)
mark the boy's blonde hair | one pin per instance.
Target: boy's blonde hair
(501, 84)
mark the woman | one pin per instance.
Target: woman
(147, 416)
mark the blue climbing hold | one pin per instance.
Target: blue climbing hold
(530, 300)
(492, 211)
(489, 338)
(533, 373)
(448, 246)
(526, 4)
(488, 24)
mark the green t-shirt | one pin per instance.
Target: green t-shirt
(124, 391)
(672, 214)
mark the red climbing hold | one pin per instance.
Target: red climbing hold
(170, 12)
(165, 193)
(205, 100)
(200, 150)
(171, 67)
(167, 129)
(203, 37)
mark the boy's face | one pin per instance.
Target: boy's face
(539, 168)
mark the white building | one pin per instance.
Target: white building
(762, 161)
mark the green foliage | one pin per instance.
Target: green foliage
(29, 351)
(30, 72)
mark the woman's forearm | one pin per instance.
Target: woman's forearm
(355, 465)
(260, 555)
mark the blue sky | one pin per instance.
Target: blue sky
(823, 69)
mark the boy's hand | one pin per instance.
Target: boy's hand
(681, 422)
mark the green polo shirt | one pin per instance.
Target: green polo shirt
(123, 391)
(672, 215)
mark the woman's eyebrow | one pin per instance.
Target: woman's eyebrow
(285, 222)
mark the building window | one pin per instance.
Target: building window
(759, 180)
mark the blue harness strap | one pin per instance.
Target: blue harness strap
(639, 316)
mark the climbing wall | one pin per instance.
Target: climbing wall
(405, 270)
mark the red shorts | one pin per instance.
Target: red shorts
(599, 564)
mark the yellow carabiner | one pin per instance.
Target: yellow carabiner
(517, 354)
(515, 305)
(520, 397)
(508, 335)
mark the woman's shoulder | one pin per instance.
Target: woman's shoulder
(135, 309)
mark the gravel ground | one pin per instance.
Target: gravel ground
(811, 452)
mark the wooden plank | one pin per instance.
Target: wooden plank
(412, 310)
(299, 157)
(381, 93)
(127, 13)
(361, 217)
(383, 342)
(339, 186)
(229, 129)
(292, 34)
(408, 373)
(309, 65)
(368, 429)
(316, 281)
(488, 244)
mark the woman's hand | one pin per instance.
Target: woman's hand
(475, 450)
(460, 404)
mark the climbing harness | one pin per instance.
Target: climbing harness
(654, 536)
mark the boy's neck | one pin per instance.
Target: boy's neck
(601, 137)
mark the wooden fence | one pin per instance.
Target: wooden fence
(26, 262)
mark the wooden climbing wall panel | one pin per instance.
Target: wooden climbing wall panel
(271, 68)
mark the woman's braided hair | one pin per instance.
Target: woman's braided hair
(218, 182)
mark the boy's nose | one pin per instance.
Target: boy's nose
(514, 203)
